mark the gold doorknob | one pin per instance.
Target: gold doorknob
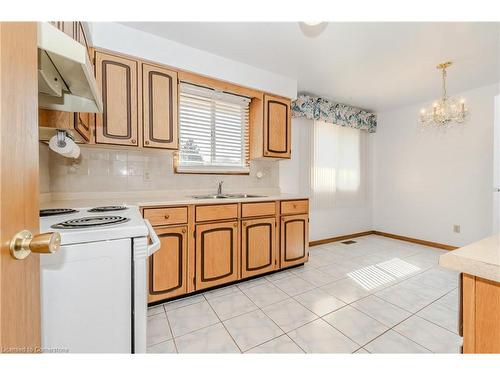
(24, 243)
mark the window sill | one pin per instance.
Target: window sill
(214, 171)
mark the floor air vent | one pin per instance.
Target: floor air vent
(350, 242)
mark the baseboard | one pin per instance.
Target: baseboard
(340, 238)
(416, 240)
(383, 234)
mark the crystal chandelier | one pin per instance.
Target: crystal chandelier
(446, 111)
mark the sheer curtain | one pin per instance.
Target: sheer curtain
(337, 157)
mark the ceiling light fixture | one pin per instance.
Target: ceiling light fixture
(446, 111)
(312, 23)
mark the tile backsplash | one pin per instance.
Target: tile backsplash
(114, 170)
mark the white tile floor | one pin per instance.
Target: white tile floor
(375, 296)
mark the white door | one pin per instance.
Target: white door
(496, 166)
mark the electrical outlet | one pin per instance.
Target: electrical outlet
(456, 228)
(146, 177)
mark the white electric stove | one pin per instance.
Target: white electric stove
(94, 289)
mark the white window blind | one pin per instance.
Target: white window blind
(336, 165)
(213, 131)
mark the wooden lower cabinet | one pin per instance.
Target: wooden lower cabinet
(211, 245)
(294, 240)
(480, 312)
(168, 266)
(258, 246)
(216, 254)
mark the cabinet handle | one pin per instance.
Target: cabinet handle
(235, 225)
(244, 224)
(167, 216)
(133, 141)
(147, 142)
(294, 206)
(183, 230)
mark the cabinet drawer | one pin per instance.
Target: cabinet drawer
(166, 216)
(258, 209)
(216, 212)
(294, 207)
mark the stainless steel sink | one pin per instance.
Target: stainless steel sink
(244, 196)
(210, 196)
(225, 196)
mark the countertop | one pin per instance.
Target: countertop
(480, 259)
(142, 199)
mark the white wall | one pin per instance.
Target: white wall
(120, 38)
(346, 217)
(427, 181)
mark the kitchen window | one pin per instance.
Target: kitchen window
(213, 131)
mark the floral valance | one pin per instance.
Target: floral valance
(315, 108)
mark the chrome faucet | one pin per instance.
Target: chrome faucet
(219, 187)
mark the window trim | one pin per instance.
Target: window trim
(213, 170)
(193, 170)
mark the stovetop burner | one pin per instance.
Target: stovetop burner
(108, 208)
(90, 222)
(57, 211)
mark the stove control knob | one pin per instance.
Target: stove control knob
(24, 243)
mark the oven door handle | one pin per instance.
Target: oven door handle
(155, 240)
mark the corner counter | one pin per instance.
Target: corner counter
(479, 317)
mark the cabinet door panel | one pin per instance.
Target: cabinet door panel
(216, 254)
(258, 246)
(160, 107)
(82, 123)
(168, 266)
(294, 239)
(276, 127)
(117, 79)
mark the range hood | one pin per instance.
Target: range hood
(65, 75)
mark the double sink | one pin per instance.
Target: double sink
(227, 196)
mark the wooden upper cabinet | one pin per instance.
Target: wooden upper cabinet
(168, 266)
(294, 239)
(277, 130)
(67, 27)
(159, 92)
(258, 246)
(82, 124)
(216, 254)
(75, 30)
(117, 79)
(79, 122)
(80, 36)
